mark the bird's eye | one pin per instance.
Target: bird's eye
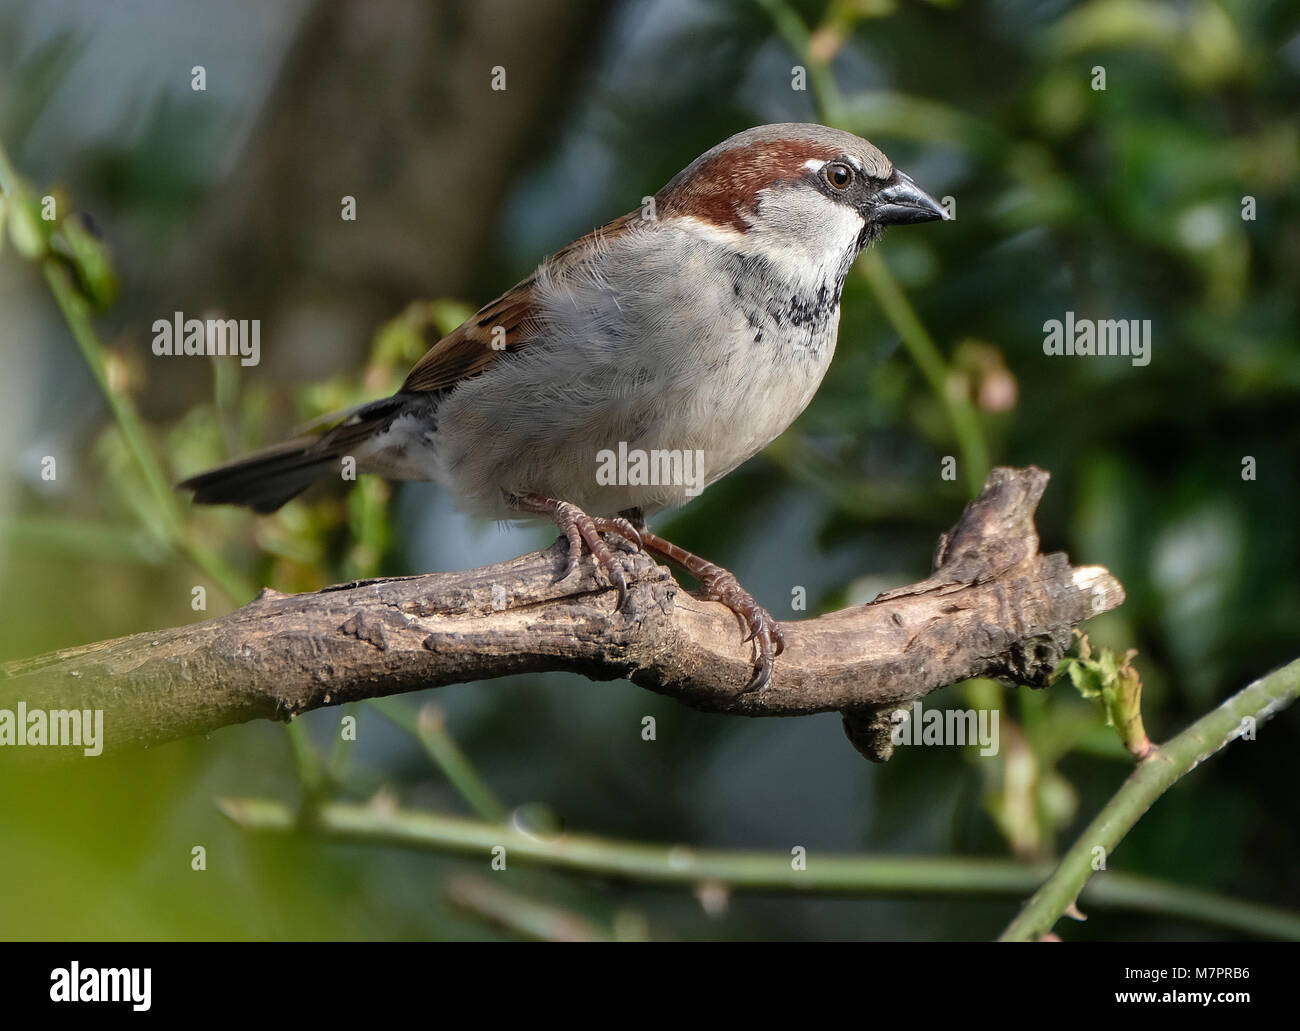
(839, 175)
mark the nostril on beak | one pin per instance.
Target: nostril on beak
(901, 202)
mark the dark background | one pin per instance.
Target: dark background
(1122, 203)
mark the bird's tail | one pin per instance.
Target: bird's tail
(267, 479)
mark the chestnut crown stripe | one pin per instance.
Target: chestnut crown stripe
(724, 187)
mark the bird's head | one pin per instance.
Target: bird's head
(800, 191)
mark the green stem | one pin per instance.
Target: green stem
(889, 295)
(307, 763)
(1163, 767)
(747, 871)
(77, 314)
(949, 389)
(825, 93)
(429, 729)
(9, 182)
(525, 916)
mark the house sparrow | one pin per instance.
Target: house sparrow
(687, 335)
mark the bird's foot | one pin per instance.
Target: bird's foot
(720, 585)
(582, 529)
(764, 630)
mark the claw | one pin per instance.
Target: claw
(627, 531)
(619, 579)
(764, 631)
(574, 537)
(762, 674)
(580, 529)
(719, 585)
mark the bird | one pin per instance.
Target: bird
(634, 367)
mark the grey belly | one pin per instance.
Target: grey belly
(606, 449)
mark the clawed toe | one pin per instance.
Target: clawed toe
(584, 531)
(720, 585)
(620, 526)
(764, 631)
(769, 642)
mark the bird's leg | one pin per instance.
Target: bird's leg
(720, 585)
(578, 527)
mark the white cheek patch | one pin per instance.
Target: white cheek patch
(804, 234)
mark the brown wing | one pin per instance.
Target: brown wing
(501, 327)
(477, 342)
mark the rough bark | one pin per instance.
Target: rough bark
(993, 607)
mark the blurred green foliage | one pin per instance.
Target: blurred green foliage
(1122, 202)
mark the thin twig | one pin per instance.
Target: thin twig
(428, 726)
(1241, 715)
(819, 873)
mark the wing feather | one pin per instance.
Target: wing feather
(503, 326)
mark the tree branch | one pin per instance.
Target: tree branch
(1162, 767)
(993, 607)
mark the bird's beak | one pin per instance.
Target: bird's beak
(901, 202)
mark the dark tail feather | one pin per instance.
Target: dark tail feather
(266, 480)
